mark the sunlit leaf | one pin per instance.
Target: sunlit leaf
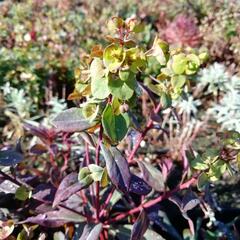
(56, 218)
(92, 234)
(115, 126)
(117, 168)
(152, 175)
(23, 193)
(113, 57)
(139, 186)
(6, 228)
(67, 187)
(71, 120)
(179, 63)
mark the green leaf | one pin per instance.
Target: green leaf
(104, 179)
(193, 64)
(121, 89)
(202, 181)
(135, 59)
(178, 81)
(96, 69)
(113, 57)
(179, 63)
(115, 126)
(159, 50)
(85, 177)
(138, 28)
(114, 23)
(126, 75)
(238, 160)
(166, 100)
(99, 84)
(23, 193)
(96, 172)
(90, 111)
(198, 164)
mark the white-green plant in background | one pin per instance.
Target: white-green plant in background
(215, 78)
(18, 101)
(227, 111)
(187, 106)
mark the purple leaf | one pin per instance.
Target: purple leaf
(140, 226)
(139, 186)
(43, 133)
(117, 168)
(55, 218)
(44, 192)
(67, 187)
(38, 149)
(71, 120)
(7, 186)
(152, 175)
(189, 201)
(10, 157)
(93, 234)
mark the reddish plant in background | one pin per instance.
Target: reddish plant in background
(182, 31)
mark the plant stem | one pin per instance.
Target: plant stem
(97, 163)
(15, 180)
(153, 201)
(105, 205)
(143, 134)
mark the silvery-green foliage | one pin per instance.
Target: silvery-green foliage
(56, 106)
(215, 77)
(187, 105)
(18, 101)
(227, 111)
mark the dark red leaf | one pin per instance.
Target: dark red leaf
(139, 186)
(55, 218)
(71, 120)
(93, 234)
(140, 226)
(117, 168)
(10, 157)
(67, 187)
(44, 192)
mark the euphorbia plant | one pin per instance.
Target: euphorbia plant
(114, 197)
(108, 87)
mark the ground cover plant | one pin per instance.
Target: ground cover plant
(130, 133)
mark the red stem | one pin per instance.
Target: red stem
(143, 134)
(153, 201)
(104, 207)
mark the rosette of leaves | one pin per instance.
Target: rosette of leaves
(227, 111)
(215, 78)
(182, 31)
